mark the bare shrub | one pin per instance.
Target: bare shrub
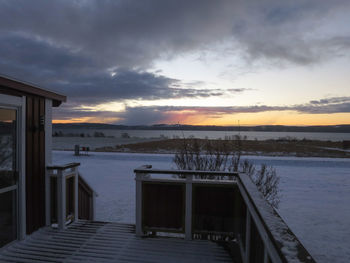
(225, 155)
(267, 182)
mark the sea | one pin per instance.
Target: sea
(170, 134)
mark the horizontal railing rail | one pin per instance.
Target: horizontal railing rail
(62, 167)
(148, 169)
(261, 234)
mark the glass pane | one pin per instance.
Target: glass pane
(8, 200)
(8, 223)
(7, 147)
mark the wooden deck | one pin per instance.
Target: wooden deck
(91, 241)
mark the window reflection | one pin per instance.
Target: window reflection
(8, 188)
(7, 147)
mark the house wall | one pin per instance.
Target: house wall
(48, 157)
(35, 163)
(35, 148)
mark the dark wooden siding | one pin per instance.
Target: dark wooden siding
(241, 218)
(163, 206)
(256, 245)
(70, 192)
(35, 164)
(214, 208)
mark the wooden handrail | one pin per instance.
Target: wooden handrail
(62, 167)
(278, 232)
(148, 170)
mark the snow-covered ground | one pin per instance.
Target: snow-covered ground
(315, 194)
(68, 143)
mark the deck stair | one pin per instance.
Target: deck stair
(92, 241)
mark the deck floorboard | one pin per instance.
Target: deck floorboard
(91, 241)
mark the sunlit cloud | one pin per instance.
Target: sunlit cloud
(145, 115)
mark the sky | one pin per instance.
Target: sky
(200, 62)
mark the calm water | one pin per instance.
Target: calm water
(214, 134)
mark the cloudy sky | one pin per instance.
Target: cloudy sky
(191, 62)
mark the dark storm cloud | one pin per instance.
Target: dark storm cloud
(126, 84)
(119, 33)
(134, 33)
(26, 57)
(69, 114)
(82, 79)
(325, 106)
(334, 100)
(74, 46)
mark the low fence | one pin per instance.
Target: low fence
(86, 200)
(217, 205)
(68, 196)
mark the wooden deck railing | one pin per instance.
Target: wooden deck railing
(68, 196)
(86, 200)
(214, 204)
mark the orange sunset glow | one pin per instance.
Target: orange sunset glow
(243, 119)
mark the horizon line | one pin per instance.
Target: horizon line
(199, 125)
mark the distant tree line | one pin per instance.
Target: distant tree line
(96, 134)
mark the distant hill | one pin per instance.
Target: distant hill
(264, 128)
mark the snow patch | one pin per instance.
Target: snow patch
(314, 204)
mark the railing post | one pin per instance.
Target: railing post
(76, 193)
(93, 208)
(188, 210)
(61, 173)
(138, 178)
(247, 237)
(61, 200)
(48, 197)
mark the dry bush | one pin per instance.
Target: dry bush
(225, 155)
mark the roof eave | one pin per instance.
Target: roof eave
(31, 89)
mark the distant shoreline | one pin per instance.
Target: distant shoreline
(286, 148)
(341, 128)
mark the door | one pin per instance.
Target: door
(8, 175)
